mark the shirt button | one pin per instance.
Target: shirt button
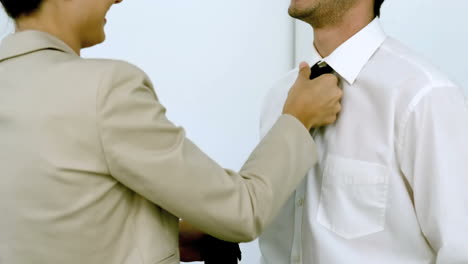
(297, 259)
(300, 202)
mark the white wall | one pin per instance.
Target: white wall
(6, 25)
(437, 29)
(211, 62)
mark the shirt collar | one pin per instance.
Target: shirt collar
(25, 42)
(350, 57)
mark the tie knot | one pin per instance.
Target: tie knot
(319, 69)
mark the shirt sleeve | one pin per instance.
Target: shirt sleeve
(150, 155)
(433, 154)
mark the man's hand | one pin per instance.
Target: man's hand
(190, 242)
(314, 102)
(194, 245)
(217, 251)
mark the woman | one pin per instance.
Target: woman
(92, 170)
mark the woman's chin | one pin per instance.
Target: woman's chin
(95, 40)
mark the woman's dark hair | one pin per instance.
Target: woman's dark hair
(17, 8)
(377, 6)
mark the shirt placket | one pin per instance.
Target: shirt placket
(296, 251)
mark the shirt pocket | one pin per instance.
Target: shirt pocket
(353, 197)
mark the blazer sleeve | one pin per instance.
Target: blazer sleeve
(150, 155)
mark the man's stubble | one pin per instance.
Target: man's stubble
(321, 13)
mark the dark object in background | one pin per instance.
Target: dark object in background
(215, 251)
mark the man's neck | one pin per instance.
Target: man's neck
(330, 37)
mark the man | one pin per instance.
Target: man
(390, 185)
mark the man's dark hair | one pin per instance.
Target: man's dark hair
(17, 8)
(377, 6)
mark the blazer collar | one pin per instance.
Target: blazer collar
(25, 42)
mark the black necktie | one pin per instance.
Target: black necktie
(319, 69)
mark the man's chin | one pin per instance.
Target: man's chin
(299, 13)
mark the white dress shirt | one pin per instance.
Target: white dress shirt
(391, 185)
